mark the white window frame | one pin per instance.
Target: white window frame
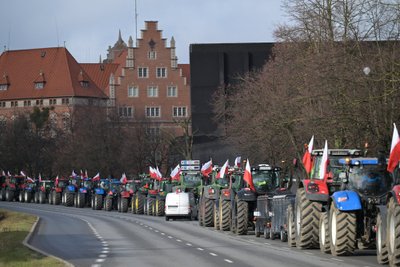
(150, 111)
(125, 113)
(172, 87)
(152, 55)
(161, 72)
(133, 91)
(142, 71)
(3, 87)
(152, 91)
(177, 112)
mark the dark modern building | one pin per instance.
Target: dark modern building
(213, 66)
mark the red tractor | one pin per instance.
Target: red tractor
(14, 187)
(57, 191)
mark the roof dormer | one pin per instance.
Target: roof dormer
(83, 79)
(4, 82)
(40, 81)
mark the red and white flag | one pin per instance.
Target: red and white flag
(307, 160)
(86, 175)
(8, 173)
(124, 180)
(175, 174)
(3, 173)
(23, 174)
(159, 175)
(237, 161)
(206, 169)
(152, 172)
(96, 177)
(324, 162)
(222, 171)
(247, 177)
(29, 179)
(40, 177)
(56, 183)
(394, 157)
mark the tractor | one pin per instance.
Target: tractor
(164, 187)
(3, 187)
(56, 191)
(244, 202)
(14, 187)
(112, 195)
(354, 208)
(125, 196)
(139, 202)
(98, 194)
(134, 188)
(84, 193)
(313, 198)
(69, 192)
(28, 191)
(43, 190)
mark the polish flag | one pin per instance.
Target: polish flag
(153, 172)
(206, 169)
(159, 175)
(29, 179)
(40, 177)
(86, 175)
(8, 173)
(124, 180)
(324, 162)
(56, 183)
(23, 174)
(307, 160)
(247, 177)
(74, 174)
(394, 157)
(3, 173)
(96, 177)
(237, 161)
(175, 174)
(221, 173)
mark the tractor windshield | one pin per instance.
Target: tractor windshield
(62, 183)
(224, 181)
(334, 166)
(87, 184)
(370, 180)
(265, 180)
(192, 179)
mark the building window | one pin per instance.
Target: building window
(52, 101)
(65, 101)
(39, 85)
(152, 112)
(161, 72)
(126, 112)
(14, 103)
(27, 103)
(39, 102)
(84, 84)
(172, 91)
(3, 87)
(152, 91)
(143, 73)
(3, 104)
(152, 55)
(179, 112)
(133, 91)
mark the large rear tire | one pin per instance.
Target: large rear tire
(81, 200)
(208, 213)
(393, 233)
(150, 202)
(306, 221)
(28, 197)
(98, 202)
(124, 205)
(224, 215)
(291, 227)
(108, 204)
(21, 196)
(160, 207)
(216, 216)
(3, 194)
(9, 195)
(140, 204)
(133, 204)
(69, 199)
(343, 230)
(381, 248)
(57, 198)
(324, 242)
(242, 217)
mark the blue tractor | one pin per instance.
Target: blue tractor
(84, 193)
(112, 195)
(353, 212)
(69, 192)
(98, 194)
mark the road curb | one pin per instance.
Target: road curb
(28, 238)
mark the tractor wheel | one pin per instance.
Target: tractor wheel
(161, 208)
(3, 194)
(208, 213)
(257, 232)
(224, 215)
(381, 248)
(306, 221)
(153, 207)
(393, 233)
(139, 204)
(69, 199)
(283, 236)
(108, 204)
(9, 195)
(343, 229)
(63, 198)
(21, 196)
(150, 206)
(119, 204)
(124, 205)
(324, 243)
(267, 232)
(133, 204)
(216, 216)
(36, 197)
(57, 198)
(290, 227)
(201, 211)
(98, 202)
(81, 200)
(28, 197)
(51, 202)
(271, 234)
(242, 217)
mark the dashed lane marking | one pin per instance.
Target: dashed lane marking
(267, 243)
(201, 249)
(213, 254)
(162, 233)
(102, 256)
(188, 244)
(169, 236)
(229, 261)
(336, 259)
(178, 240)
(100, 260)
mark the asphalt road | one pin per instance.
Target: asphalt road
(85, 237)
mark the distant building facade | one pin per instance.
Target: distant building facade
(213, 66)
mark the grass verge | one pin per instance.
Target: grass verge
(14, 227)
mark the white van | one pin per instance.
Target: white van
(180, 204)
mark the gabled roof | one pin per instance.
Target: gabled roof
(100, 73)
(54, 66)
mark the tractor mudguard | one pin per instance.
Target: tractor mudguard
(99, 191)
(125, 194)
(226, 194)
(247, 195)
(209, 192)
(71, 188)
(346, 200)
(316, 190)
(396, 192)
(83, 190)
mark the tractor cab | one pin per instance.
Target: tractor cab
(191, 179)
(265, 178)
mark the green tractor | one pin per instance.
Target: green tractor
(139, 202)
(163, 188)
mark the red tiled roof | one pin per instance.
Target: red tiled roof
(100, 73)
(185, 71)
(60, 73)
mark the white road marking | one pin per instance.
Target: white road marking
(162, 234)
(105, 245)
(102, 256)
(146, 226)
(156, 231)
(188, 244)
(104, 242)
(105, 252)
(309, 253)
(150, 228)
(213, 254)
(336, 259)
(229, 261)
(96, 265)
(201, 249)
(178, 240)
(169, 236)
(100, 260)
(267, 243)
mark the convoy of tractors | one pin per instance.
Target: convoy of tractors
(337, 200)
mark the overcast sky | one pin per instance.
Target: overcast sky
(88, 27)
